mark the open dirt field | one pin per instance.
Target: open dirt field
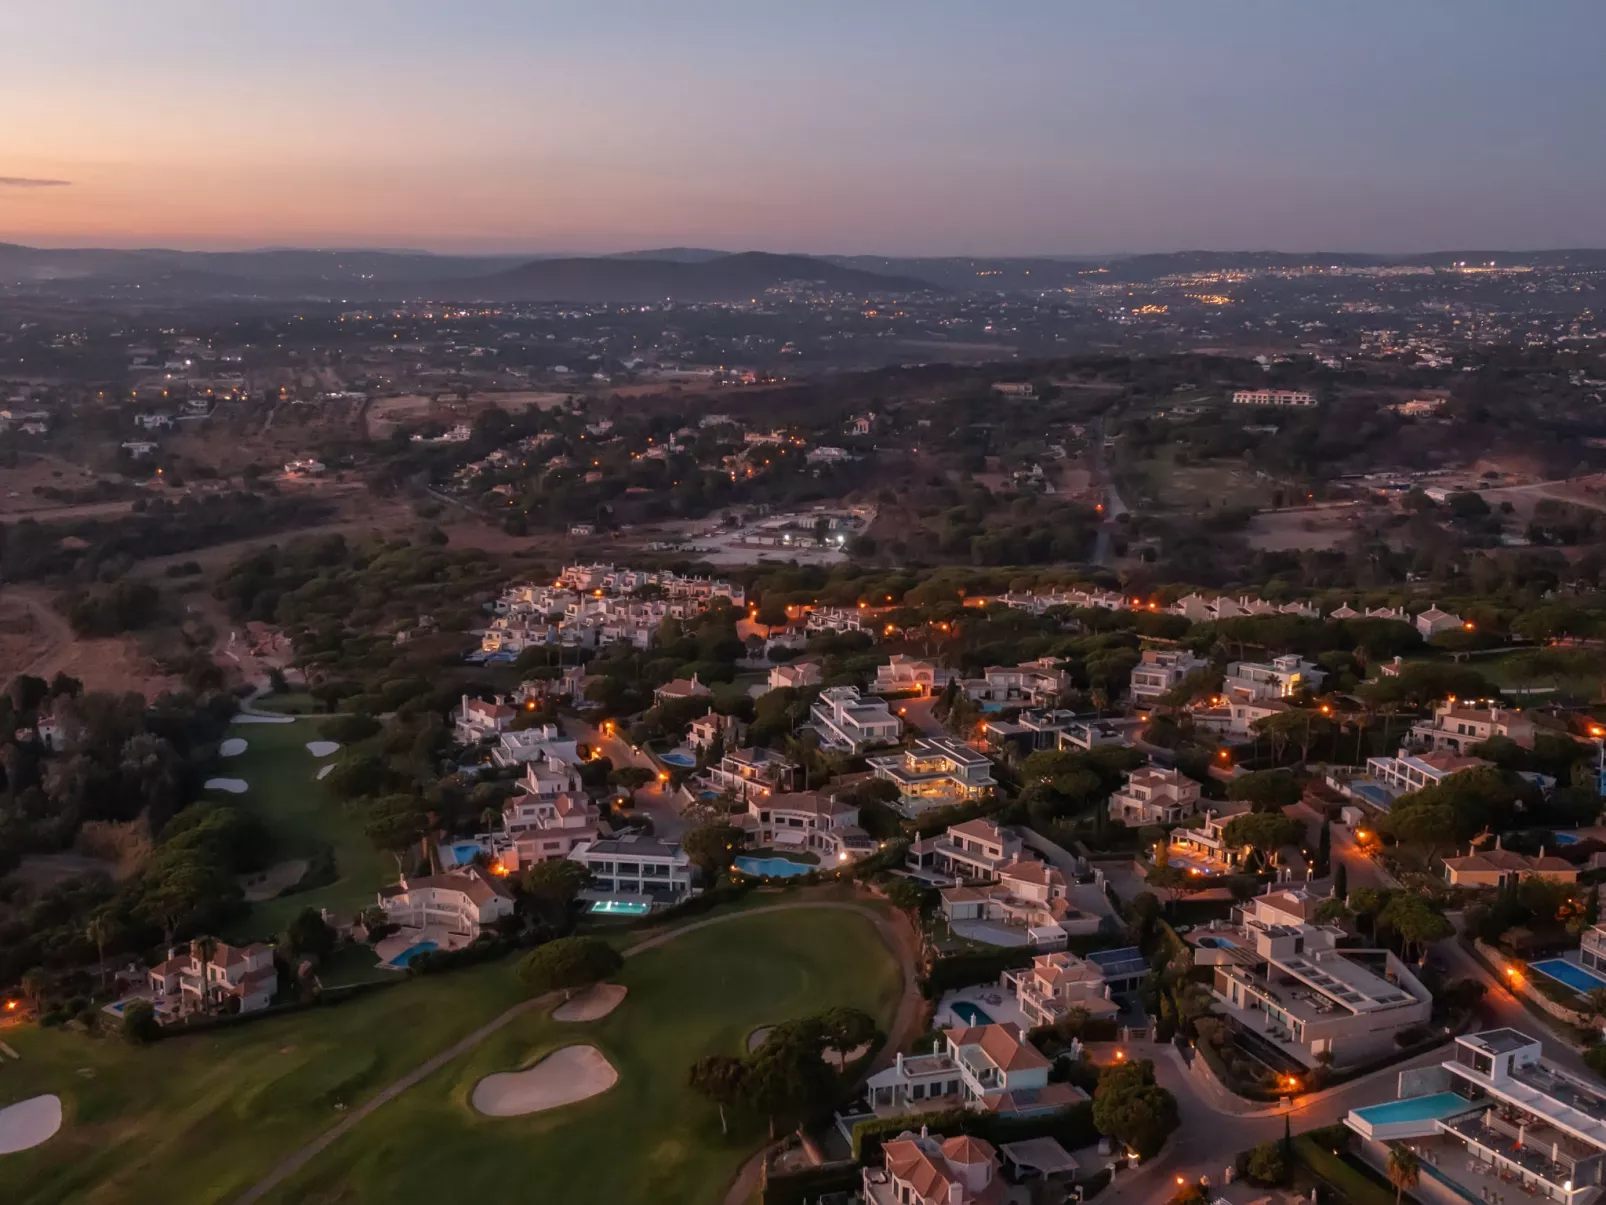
(1315, 527)
(35, 640)
(385, 414)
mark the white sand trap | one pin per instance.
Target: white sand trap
(562, 1078)
(323, 771)
(246, 717)
(232, 747)
(322, 748)
(758, 1037)
(592, 1004)
(30, 1122)
(234, 786)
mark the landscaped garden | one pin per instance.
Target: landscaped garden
(202, 1118)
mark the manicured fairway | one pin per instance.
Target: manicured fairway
(648, 1139)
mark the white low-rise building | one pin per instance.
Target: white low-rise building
(463, 902)
(633, 868)
(847, 723)
(1153, 795)
(813, 821)
(231, 978)
(1455, 728)
(1160, 671)
(1032, 684)
(1279, 678)
(983, 1068)
(904, 675)
(1055, 985)
(968, 852)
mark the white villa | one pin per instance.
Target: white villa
(1455, 729)
(239, 978)
(635, 869)
(903, 674)
(750, 772)
(542, 742)
(807, 820)
(1433, 621)
(1030, 899)
(969, 852)
(476, 719)
(539, 829)
(457, 905)
(1161, 670)
(798, 675)
(1032, 683)
(711, 727)
(1154, 796)
(984, 1068)
(1279, 678)
(935, 771)
(1055, 984)
(928, 1169)
(547, 778)
(1409, 771)
(1282, 976)
(848, 724)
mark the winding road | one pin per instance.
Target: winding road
(897, 941)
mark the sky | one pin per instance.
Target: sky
(898, 127)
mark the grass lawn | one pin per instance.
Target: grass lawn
(200, 1119)
(647, 1139)
(293, 702)
(303, 818)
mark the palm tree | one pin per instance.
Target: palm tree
(489, 817)
(98, 929)
(202, 949)
(1404, 1170)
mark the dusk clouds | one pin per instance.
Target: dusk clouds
(31, 182)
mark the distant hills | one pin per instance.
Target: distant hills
(686, 274)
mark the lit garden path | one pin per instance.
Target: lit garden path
(897, 940)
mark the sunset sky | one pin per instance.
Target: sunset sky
(895, 126)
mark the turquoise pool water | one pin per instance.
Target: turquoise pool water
(412, 951)
(1580, 979)
(774, 868)
(621, 907)
(1566, 838)
(969, 1013)
(1415, 1108)
(677, 757)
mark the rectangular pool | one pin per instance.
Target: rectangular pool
(1580, 979)
(773, 868)
(1415, 1108)
(621, 907)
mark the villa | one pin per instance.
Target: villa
(799, 675)
(681, 688)
(904, 674)
(932, 1170)
(476, 719)
(239, 978)
(1433, 621)
(1033, 729)
(461, 903)
(635, 869)
(811, 820)
(1283, 977)
(969, 852)
(750, 771)
(1407, 771)
(540, 829)
(543, 742)
(983, 1068)
(549, 777)
(1496, 1119)
(1154, 796)
(707, 729)
(1028, 898)
(1161, 671)
(1206, 842)
(848, 724)
(1033, 683)
(1279, 678)
(1087, 735)
(1455, 729)
(935, 771)
(1497, 867)
(1057, 984)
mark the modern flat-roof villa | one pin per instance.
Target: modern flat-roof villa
(1280, 976)
(848, 724)
(633, 873)
(1279, 678)
(747, 772)
(935, 771)
(1496, 1117)
(1161, 670)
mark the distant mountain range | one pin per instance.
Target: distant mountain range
(688, 274)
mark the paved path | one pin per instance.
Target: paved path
(903, 1024)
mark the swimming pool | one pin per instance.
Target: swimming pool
(1580, 979)
(412, 951)
(678, 757)
(1567, 838)
(1216, 943)
(621, 907)
(774, 868)
(461, 853)
(969, 1013)
(1415, 1108)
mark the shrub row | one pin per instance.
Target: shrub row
(1349, 1183)
(1072, 1127)
(811, 1183)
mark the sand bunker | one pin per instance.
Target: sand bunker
(563, 1077)
(592, 1004)
(279, 877)
(30, 1122)
(758, 1037)
(322, 748)
(232, 747)
(324, 771)
(234, 786)
(251, 717)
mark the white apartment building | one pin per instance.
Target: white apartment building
(1279, 678)
(1154, 796)
(1283, 977)
(935, 771)
(1160, 671)
(1273, 397)
(463, 902)
(847, 723)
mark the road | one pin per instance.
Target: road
(1501, 1009)
(653, 800)
(1114, 505)
(1361, 870)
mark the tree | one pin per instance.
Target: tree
(1340, 880)
(1263, 832)
(1367, 902)
(1130, 1106)
(1324, 846)
(568, 963)
(308, 935)
(911, 895)
(711, 845)
(203, 949)
(140, 1026)
(1414, 920)
(723, 1079)
(1265, 790)
(98, 928)
(1266, 1164)
(555, 883)
(1403, 1170)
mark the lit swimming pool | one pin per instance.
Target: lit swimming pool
(969, 1013)
(621, 907)
(774, 868)
(677, 757)
(1216, 943)
(1567, 838)
(1415, 1108)
(461, 853)
(1580, 979)
(413, 951)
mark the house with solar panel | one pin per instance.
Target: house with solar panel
(1282, 979)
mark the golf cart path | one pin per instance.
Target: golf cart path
(903, 1022)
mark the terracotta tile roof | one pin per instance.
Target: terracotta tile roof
(1002, 1044)
(978, 830)
(1031, 871)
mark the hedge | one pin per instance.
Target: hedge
(967, 970)
(1072, 1126)
(326, 998)
(811, 1183)
(1349, 1182)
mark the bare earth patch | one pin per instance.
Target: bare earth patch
(565, 1076)
(28, 1123)
(592, 1004)
(267, 884)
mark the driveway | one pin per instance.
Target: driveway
(653, 799)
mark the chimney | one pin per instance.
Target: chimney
(956, 1193)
